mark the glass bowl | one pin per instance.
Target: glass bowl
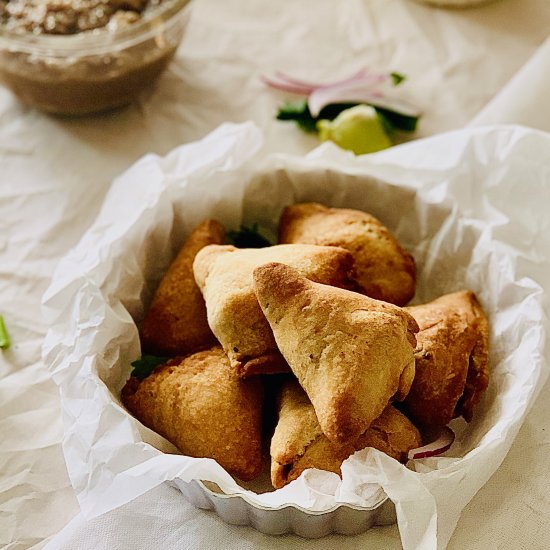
(93, 71)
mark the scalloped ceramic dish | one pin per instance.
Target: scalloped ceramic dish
(237, 510)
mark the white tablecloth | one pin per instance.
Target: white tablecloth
(55, 172)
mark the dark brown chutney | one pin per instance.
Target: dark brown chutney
(77, 57)
(70, 16)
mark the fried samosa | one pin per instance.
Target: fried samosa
(350, 353)
(201, 406)
(299, 443)
(385, 270)
(224, 274)
(175, 323)
(452, 366)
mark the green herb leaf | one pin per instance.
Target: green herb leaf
(397, 121)
(397, 78)
(5, 340)
(330, 112)
(247, 237)
(298, 111)
(144, 366)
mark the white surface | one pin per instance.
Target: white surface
(55, 169)
(520, 100)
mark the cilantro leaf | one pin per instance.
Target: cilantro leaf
(5, 340)
(397, 78)
(393, 120)
(247, 237)
(330, 112)
(146, 364)
(298, 111)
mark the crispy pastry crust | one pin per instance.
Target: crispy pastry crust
(224, 274)
(299, 443)
(201, 406)
(350, 353)
(452, 365)
(176, 323)
(385, 270)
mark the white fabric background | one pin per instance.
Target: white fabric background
(55, 172)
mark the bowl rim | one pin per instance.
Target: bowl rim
(96, 41)
(271, 508)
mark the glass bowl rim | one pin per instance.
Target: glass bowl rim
(98, 41)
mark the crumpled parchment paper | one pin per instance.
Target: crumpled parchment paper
(460, 202)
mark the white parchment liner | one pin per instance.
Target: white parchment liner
(470, 205)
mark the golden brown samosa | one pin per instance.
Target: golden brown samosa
(299, 443)
(350, 353)
(175, 323)
(202, 407)
(452, 366)
(224, 274)
(385, 270)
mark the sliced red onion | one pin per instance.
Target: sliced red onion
(322, 97)
(362, 78)
(362, 87)
(437, 447)
(286, 86)
(362, 73)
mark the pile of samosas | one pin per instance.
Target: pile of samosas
(306, 344)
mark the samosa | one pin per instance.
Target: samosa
(224, 274)
(175, 323)
(385, 270)
(350, 353)
(452, 365)
(299, 443)
(201, 406)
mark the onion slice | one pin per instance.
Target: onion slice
(322, 97)
(362, 79)
(437, 447)
(359, 75)
(285, 86)
(362, 87)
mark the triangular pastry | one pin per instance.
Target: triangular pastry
(452, 366)
(299, 443)
(224, 274)
(350, 353)
(200, 405)
(385, 270)
(175, 323)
